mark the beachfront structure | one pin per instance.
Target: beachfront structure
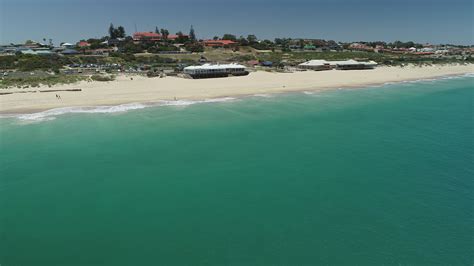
(220, 43)
(351, 64)
(215, 71)
(317, 65)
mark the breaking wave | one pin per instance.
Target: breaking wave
(53, 113)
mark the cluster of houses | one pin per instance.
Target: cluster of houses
(140, 37)
(426, 49)
(36, 48)
(83, 47)
(317, 45)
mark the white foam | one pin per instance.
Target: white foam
(263, 95)
(429, 79)
(53, 113)
(190, 102)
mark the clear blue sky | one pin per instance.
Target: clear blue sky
(434, 21)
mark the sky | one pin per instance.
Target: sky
(423, 21)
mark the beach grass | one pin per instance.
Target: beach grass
(33, 82)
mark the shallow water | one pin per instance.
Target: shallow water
(381, 175)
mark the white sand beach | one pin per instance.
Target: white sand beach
(144, 90)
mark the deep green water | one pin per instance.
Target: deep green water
(349, 177)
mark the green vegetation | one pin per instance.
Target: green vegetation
(102, 78)
(33, 62)
(115, 33)
(192, 34)
(33, 82)
(194, 47)
(229, 37)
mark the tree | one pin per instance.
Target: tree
(165, 33)
(157, 31)
(229, 37)
(243, 41)
(215, 38)
(181, 38)
(120, 32)
(112, 31)
(252, 39)
(192, 34)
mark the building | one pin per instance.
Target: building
(69, 52)
(83, 44)
(215, 71)
(220, 43)
(113, 42)
(8, 49)
(316, 65)
(67, 45)
(35, 51)
(146, 37)
(351, 64)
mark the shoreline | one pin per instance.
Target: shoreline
(156, 91)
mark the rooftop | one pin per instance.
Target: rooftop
(217, 66)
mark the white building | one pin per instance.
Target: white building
(212, 71)
(343, 65)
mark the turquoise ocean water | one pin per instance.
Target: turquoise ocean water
(380, 175)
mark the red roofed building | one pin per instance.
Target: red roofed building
(220, 43)
(83, 44)
(146, 36)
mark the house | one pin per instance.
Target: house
(69, 52)
(83, 44)
(146, 37)
(67, 45)
(220, 43)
